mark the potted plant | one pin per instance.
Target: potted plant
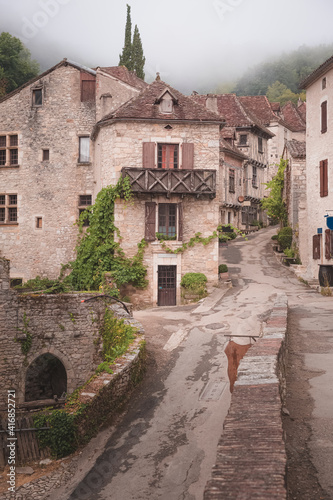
(223, 272)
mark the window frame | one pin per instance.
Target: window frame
(171, 219)
(9, 208)
(10, 150)
(260, 145)
(38, 90)
(168, 157)
(232, 180)
(323, 117)
(323, 178)
(254, 176)
(242, 141)
(82, 157)
(83, 204)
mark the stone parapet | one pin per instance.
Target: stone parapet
(251, 458)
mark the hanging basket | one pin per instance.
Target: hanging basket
(329, 221)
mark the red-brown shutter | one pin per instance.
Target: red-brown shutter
(88, 87)
(188, 155)
(148, 155)
(328, 244)
(180, 221)
(316, 246)
(323, 168)
(324, 117)
(150, 221)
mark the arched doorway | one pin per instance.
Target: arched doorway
(46, 377)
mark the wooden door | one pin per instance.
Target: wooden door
(167, 285)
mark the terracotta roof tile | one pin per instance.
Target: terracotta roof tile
(275, 106)
(302, 110)
(297, 149)
(229, 148)
(260, 107)
(293, 118)
(145, 106)
(123, 74)
(232, 109)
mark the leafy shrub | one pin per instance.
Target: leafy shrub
(116, 335)
(289, 252)
(223, 268)
(274, 237)
(165, 237)
(195, 283)
(285, 237)
(61, 436)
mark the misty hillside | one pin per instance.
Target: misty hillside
(290, 69)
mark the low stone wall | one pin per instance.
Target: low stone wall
(251, 458)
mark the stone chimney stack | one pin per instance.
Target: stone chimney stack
(211, 103)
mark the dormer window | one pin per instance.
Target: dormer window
(166, 105)
(166, 101)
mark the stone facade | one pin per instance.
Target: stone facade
(119, 145)
(319, 185)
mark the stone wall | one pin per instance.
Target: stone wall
(60, 325)
(251, 458)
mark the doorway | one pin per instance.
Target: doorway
(167, 285)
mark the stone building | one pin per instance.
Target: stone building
(319, 161)
(168, 145)
(47, 170)
(251, 139)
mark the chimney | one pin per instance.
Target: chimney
(211, 103)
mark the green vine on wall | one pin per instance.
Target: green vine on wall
(27, 342)
(97, 250)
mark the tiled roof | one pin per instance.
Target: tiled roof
(122, 73)
(232, 109)
(233, 150)
(317, 73)
(145, 106)
(275, 106)
(297, 149)
(293, 118)
(228, 133)
(302, 110)
(260, 107)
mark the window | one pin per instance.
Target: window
(9, 150)
(323, 83)
(8, 208)
(37, 97)
(84, 149)
(254, 176)
(324, 117)
(164, 218)
(166, 105)
(260, 149)
(167, 155)
(39, 223)
(323, 178)
(85, 201)
(231, 181)
(46, 154)
(243, 140)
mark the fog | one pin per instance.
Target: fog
(193, 44)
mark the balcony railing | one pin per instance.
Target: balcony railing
(171, 181)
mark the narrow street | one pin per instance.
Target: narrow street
(165, 444)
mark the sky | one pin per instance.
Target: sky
(193, 44)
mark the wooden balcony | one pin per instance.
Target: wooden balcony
(170, 182)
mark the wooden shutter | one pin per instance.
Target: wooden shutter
(324, 117)
(180, 221)
(316, 246)
(188, 155)
(88, 87)
(323, 169)
(148, 155)
(150, 221)
(328, 240)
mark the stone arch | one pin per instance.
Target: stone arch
(71, 378)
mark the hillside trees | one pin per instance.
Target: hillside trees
(16, 65)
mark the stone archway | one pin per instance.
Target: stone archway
(46, 377)
(55, 353)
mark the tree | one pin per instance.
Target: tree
(278, 92)
(125, 59)
(16, 65)
(274, 204)
(138, 58)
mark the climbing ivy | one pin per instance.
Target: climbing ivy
(274, 204)
(97, 250)
(27, 342)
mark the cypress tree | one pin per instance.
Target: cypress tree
(125, 59)
(138, 58)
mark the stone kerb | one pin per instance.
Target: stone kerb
(251, 458)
